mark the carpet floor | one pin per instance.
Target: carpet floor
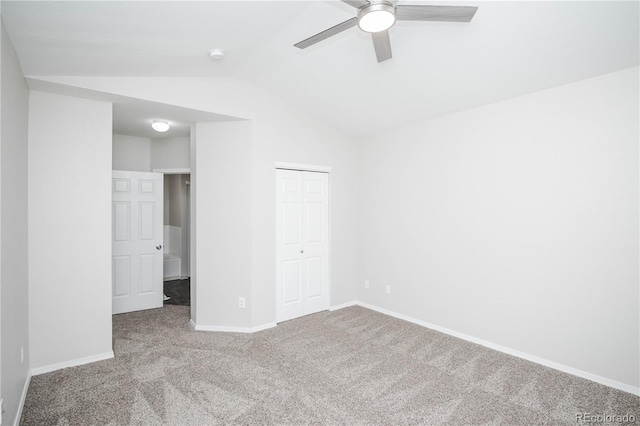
(352, 366)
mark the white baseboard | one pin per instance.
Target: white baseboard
(253, 329)
(263, 327)
(23, 398)
(72, 363)
(343, 305)
(231, 329)
(545, 362)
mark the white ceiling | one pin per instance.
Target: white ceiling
(509, 49)
(133, 117)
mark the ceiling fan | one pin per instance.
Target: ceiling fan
(377, 16)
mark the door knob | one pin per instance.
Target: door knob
(301, 251)
(159, 246)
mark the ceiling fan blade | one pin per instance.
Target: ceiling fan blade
(356, 3)
(327, 33)
(435, 13)
(382, 45)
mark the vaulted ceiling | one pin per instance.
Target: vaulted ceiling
(508, 49)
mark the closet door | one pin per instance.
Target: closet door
(302, 252)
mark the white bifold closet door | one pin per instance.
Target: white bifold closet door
(136, 245)
(302, 252)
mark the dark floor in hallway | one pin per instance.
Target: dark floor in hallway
(179, 292)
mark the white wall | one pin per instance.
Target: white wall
(223, 249)
(303, 140)
(131, 153)
(13, 202)
(516, 223)
(170, 153)
(69, 229)
(279, 133)
(193, 291)
(145, 154)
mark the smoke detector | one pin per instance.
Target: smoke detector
(216, 54)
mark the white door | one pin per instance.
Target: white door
(136, 227)
(302, 252)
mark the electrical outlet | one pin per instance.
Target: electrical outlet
(22, 354)
(388, 289)
(242, 303)
(366, 283)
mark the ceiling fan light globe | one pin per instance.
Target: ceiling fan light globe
(376, 17)
(160, 126)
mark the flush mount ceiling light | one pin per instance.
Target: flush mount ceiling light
(160, 126)
(376, 17)
(216, 54)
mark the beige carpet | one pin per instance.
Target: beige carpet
(352, 366)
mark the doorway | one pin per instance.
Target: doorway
(144, 155)
(176, 231)
(302, 243)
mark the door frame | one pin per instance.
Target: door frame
(304, 168)
(183, 171)
(186, 171)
